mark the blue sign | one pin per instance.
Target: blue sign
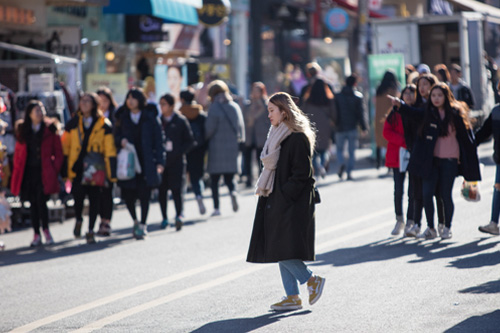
(337, 20)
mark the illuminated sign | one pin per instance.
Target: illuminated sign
(15, 15)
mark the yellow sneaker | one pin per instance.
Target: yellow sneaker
(315, 289)
(287, 304)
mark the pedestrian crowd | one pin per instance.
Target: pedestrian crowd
(141, 149)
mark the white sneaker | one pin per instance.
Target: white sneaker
(446, 234)
(409, 225)
(414, 231)
(491, 228)
(398, 228)
(428, 234)
(201, 205)
(216, 212)
(440, 229)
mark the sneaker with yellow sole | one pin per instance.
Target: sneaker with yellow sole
(287, 304)
(315, 289)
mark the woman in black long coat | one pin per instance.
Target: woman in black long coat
(284, 224)
(136, 123)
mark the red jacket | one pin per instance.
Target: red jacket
(52, 160)
(394, 134)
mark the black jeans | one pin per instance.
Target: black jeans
(444, 171)
(79, 192)
(106, 209)
(247, 162)
(141, 192)
(415, 188)
(399, 181)
(214, 179)
(163, 198)
(32, 189)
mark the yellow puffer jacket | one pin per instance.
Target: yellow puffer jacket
(101, 140)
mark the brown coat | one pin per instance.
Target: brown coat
(383, 106)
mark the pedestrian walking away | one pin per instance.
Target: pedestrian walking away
(491, 127)
(90, 154)
(38, 158)
(388, 85)
(195, 157)
(225, 131)
(284, 224)
(137, 124)
(350, 115)
(178, 141)
(108, 106)
(444, 149)
(256, 128)
(319, 106)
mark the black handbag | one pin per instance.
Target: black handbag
(317, 197)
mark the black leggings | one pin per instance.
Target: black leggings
(94, 193)
(214, 179)
(106, 210)
(141, 192)
(163, 197)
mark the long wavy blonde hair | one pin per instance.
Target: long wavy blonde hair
(294, 118)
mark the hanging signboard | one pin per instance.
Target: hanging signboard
(41, 83)
(64, 41)
(213, 12)
(144, 29)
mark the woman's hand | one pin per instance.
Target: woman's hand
(160, 168)
(124, 142)
(497, 186)
(395, 101)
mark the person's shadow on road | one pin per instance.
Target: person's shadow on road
(486, 323)
(241, 325)
(393, 248)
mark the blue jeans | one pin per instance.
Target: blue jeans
(352, 138)
(495, 205)
(444, 171)
(293, 270)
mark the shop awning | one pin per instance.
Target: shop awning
(477, 6)
(347, 5)
(169, 10)
(77, 2)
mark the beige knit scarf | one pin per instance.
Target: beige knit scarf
(269, 157)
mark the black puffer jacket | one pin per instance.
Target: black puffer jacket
(350, 110)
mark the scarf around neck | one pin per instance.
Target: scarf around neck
(269, 157)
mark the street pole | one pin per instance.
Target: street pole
(362, 60)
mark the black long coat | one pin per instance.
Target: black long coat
(178, 132)
(284, 224)
(151, 144)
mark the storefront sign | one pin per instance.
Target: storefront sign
(40, 83)
(116, 82)
(144, 29)
(213, 12)
(64, 41)
(337, 20)
(15, 15)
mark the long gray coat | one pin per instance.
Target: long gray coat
(284, 224)
(224, 129)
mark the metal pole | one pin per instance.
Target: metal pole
(256, 23)
(362, 60)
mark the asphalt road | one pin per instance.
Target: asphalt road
(197, 279)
